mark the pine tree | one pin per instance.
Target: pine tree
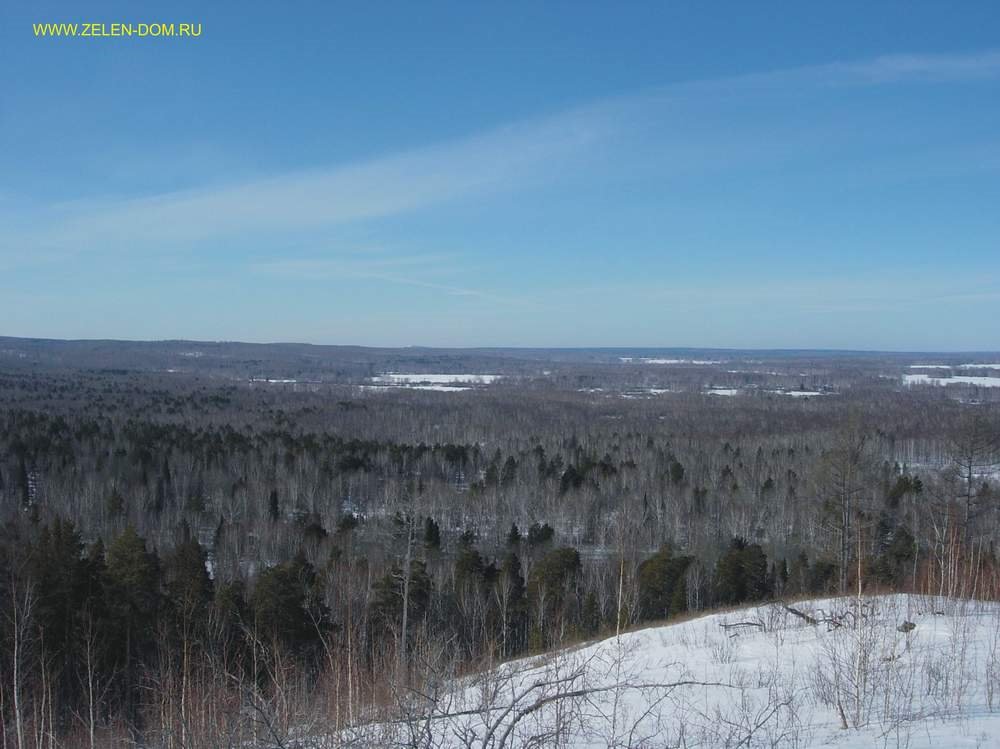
(742, 574)
(115, 504)
(133, 575)
(510, 595)
(469, 566)
(591, 615)
(188, 583)
(273, 509)
(552, 590)
(61, 580)
(432, 534)
(659, 579)
(286, 608)
(387, 607)
(513, 535)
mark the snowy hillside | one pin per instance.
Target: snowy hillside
(756, 677)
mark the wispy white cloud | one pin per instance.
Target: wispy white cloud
(885, 69)
(317, 198)
(923, 68)
(503, 158)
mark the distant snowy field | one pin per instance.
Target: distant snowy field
(649, 360)
(925, 379)
(740, 391)
(956, 366)
(723, 391)
(434, 379)
(442, 383)
(754, 677)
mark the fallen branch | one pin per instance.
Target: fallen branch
(801, 614)
(732, 625)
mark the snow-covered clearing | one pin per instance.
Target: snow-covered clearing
(923, 379)
(633, 394)
(441, 383)
(645, 393)
(441, 388)
(648, 360)
(956, 366)
(434, 388)
(892, 671)
(434, 379)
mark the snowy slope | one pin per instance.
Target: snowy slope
(756, 677)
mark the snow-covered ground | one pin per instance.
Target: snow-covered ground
(790, 393)
(435, 388)
(648, 360)
(434, 379)
(957, 366)
(924, 379)
(896, 671)
(644, 393)
(441, 383)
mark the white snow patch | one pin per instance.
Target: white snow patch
(924, 379)
(392, 378)
(645, 393)
(648, 360)
(955, 366)
(441, 388)
(431, 387)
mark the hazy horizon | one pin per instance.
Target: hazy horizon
(487, 347)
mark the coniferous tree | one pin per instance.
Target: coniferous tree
(285, 606)
(432, 534)
(188, 583)
(659, 579)
(509, 591)
(273, 508)
(133, 575)
(742, 574)
(513, 535)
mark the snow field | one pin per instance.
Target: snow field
(755, 677)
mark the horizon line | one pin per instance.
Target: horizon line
(611, 348)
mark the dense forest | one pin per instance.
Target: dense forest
(192, 559)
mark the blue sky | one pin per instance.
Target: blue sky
(506, 174)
